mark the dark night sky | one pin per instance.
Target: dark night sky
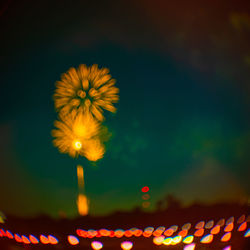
(182, 125)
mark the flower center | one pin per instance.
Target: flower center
(77, 145)
(81, 93)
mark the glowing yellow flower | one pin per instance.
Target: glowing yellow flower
(73, 132)
(86, 89)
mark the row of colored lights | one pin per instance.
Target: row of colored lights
(159, 234)
(229, 225)
(150, 231)
(162, 240)
(31, 239)
(50, 239)
(126, 245)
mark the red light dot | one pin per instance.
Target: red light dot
(33, 239)
(9, 235)
(2, 232)
(82, 233)
(199, 232)
(25, 240)
(145, 189)
(18, 238)
(128, 233)
(242, 227)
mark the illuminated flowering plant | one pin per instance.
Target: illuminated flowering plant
(86, 89)
(78, 134)
(80, 97)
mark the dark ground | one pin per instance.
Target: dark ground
(174, 215)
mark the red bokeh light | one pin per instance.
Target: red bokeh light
(18, 238)
(145, 189)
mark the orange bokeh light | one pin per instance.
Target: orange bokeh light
(157, 233)
(169, 232)
(104, 232)
(53, 240)
(25, 240)
(226, 237)
(242, 227)
(128, 233)
(33, 239)
(44, 239)
(183, 233)
(147, 234)
(73, 240)
(138, 233)
(92, 233)
(119, 233)
(229, 227)
(215, 230)
(199, 232)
